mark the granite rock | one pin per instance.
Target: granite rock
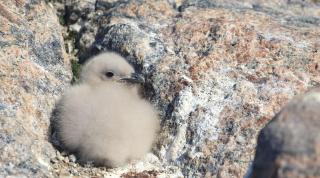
(216, 70)
(288, 146)
(34, 71)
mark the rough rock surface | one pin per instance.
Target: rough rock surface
(33, 73)
(217, 70)
(288, 146)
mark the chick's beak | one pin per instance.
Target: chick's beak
(134, 78)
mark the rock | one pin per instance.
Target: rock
(217, 70)
(34, 70)
(288, 146)
(72, 158)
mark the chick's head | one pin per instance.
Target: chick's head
(109, 67)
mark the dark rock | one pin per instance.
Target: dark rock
(288, 146)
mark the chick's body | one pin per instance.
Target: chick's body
(107, 122)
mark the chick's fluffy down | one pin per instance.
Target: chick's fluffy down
(106, 124)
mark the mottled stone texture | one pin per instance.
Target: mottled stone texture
(33, 73)
(289, 146)
(217, 70)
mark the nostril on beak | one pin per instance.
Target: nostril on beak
(134, 78)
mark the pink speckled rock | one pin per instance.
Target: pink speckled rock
(217, 70)
(34, 71)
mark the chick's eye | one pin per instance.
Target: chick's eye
(109, 74)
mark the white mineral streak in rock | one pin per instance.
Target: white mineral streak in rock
(183, 105)
(205, 126)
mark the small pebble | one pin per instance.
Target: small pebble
(72, 158)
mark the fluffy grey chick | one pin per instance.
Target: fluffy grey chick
(103, 118)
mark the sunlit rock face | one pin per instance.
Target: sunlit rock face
(217, 71)
(34, 71)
